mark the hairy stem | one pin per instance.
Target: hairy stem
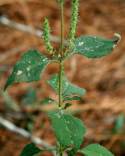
(61, 53)
(46, 36)
(74, 19)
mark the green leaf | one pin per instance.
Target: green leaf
(67, 105)
(76, 98)
(30, 150)
(47, 101)
(67, 87)
(68, 129)
(29, 68)
(94, 47)
(95, 150)
(71, 153)
(29, 97)
(119, 124)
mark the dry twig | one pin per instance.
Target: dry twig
(11, 52)
(25, 28)
(10, 126)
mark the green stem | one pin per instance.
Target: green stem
(60, 151)
(60, 83)
(61, 62)
(61, 54)
(49, 149)
(62, 27)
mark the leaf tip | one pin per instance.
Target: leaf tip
(8, 83)
(5, 87)
(117, 38)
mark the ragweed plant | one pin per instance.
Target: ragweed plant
(68, 129)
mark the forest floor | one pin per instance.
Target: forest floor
(104, 79)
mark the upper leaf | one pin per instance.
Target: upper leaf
(95, 150)
(28, 68)
(94, 47)
(30, 150)
(68, 129)
(67, 87)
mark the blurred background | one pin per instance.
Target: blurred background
(22, 116)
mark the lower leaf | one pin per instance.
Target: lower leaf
(68, 129)
(95, 150)
(30, 150)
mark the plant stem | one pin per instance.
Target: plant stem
(61, 153)
(62, 27)
(61, 61)
(60, 83)
(61, 53)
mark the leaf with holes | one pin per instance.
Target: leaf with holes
(95, 150)
(93, 46)
(67, 87)
(30, 150)
(29, 68)
(68, 129)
